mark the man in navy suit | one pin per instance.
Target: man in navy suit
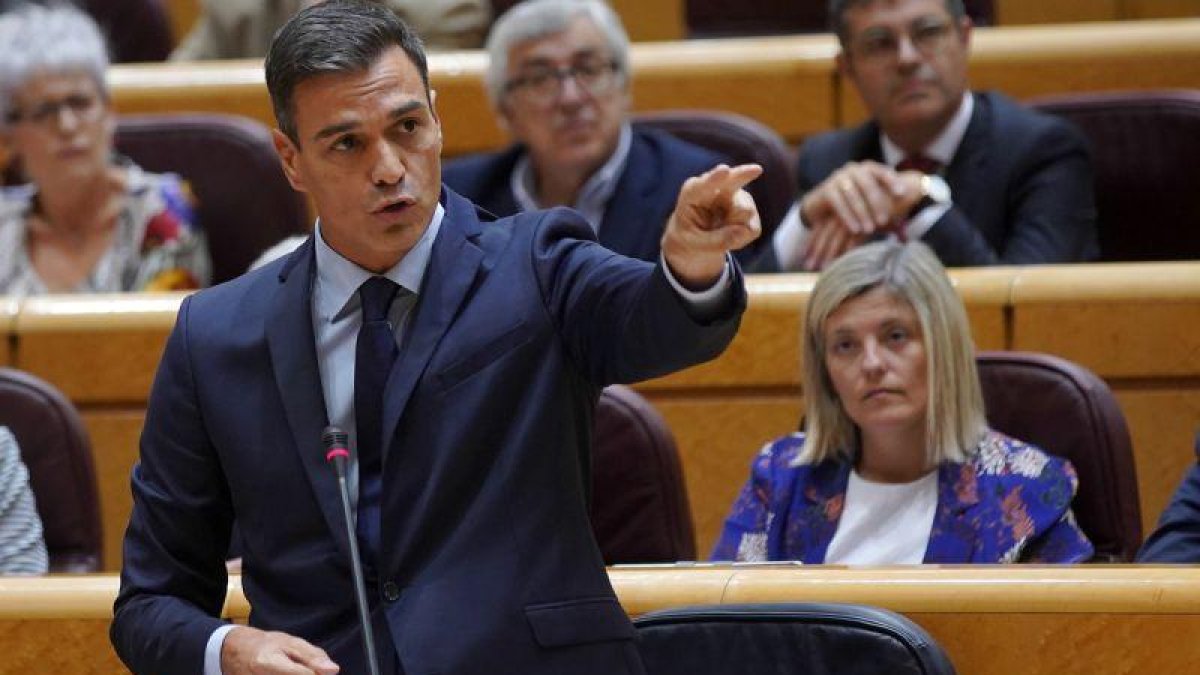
(978, 178)
(1177, 537)
(558, 78)
(478, 553)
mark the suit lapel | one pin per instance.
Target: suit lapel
(292, 347)
(633, 202)
(953, 538)
(969, 163)
(452, 267)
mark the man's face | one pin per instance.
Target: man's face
(63, 131)
(570, 123)
(908, 60)
(369, 156)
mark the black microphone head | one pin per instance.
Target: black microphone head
(335, 441)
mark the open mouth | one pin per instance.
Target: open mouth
(395, 206)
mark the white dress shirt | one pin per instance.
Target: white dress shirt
(791, 237)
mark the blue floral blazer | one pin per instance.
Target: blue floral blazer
(1010, 502)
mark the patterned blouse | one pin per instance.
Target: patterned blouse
(1010, 502)
(22, 550)
(157, 246)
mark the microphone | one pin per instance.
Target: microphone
(335, 442)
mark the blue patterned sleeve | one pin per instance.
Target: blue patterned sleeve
(1063, 541)
(744, 537)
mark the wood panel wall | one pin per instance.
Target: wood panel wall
(1136, 325)
(991, 620)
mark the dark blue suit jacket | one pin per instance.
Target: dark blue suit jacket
(646, 192)
(1021, 182)
(489, 413)
(1177, 537)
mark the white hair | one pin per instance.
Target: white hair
(533, 19)
(41, 40)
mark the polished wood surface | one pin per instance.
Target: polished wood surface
(643, 19)
(990, 619)
(9, 308)
(1136, 325)
(98, 349)
(788, 83)
(1014, 12)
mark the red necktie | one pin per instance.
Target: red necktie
(920, 163)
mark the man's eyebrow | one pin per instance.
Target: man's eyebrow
(396, 113)
(334, 130)
(405, 109)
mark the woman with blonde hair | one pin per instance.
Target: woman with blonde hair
(897, 463)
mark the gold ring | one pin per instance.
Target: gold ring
(846, 185)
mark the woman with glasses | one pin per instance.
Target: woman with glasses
(87, 220)
(897, 464)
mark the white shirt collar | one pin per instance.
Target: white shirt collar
(338, 279)
(945, 145)
(593, 196)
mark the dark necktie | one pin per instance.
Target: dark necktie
(920, 163)
(375, 352)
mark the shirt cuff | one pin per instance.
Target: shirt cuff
(790, 239)
(212, 651)
(709, 301)
(919, 224)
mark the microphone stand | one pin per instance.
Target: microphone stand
(336, 453)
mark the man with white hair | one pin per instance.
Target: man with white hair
(558, 79)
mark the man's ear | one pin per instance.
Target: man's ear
(845, 67)
(289, 158)
(502, 113)
(964, 30)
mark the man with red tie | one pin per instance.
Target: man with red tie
(977, 177)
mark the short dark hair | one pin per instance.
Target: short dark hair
(329, 38)
(838, 9)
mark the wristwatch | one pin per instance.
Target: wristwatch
(934, 190)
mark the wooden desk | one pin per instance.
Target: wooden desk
(1136, 325)
(786, 83)
(990, 619)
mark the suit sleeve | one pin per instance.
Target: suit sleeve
(173, 580)
(619, 318)
(1176, 539)
(1051, 209)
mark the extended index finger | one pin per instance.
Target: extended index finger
(732, 179)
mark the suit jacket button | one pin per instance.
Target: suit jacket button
(391, 592)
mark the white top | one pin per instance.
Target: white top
(884, 523)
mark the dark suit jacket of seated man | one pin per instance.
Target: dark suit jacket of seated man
(635, 215)
(1176, 539)
(485, 561)
(976, 177)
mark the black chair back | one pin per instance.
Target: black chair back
(786, 639)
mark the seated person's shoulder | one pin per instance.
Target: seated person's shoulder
(689, 158)
(1008, 460)
(1018, 123)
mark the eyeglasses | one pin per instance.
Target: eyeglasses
(927, 37)
(543, 84)
(85, 108)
